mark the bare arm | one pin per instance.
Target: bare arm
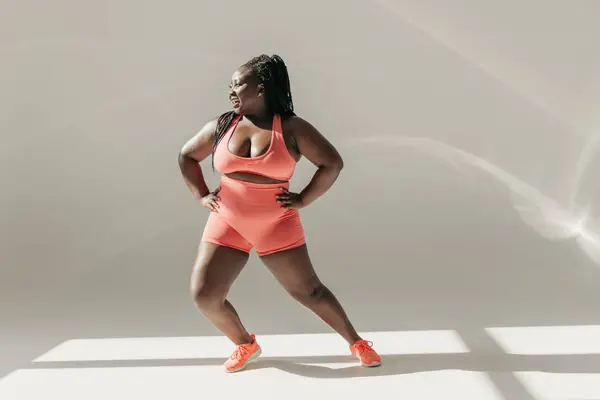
(192, 153)
(318, 150)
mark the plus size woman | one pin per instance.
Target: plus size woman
(255, 147)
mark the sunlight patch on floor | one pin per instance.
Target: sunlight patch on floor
(548, 340)
(546, 386)
(420, 365)
(305, 345)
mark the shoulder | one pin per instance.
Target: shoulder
(212, 126)
(297, 126)
(311, 143)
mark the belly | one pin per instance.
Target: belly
(253, 178)
(242, 200)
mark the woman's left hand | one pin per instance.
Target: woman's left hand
(289, 199)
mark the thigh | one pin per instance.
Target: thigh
(219, 231)
(278, 235)
(215, 269)
(293, 269)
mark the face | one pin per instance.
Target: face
(245, 93)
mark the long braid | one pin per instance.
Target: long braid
(272, 72)
(223, 122)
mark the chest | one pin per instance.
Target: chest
(250, 141)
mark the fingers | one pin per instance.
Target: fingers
(286, 203)
(214, 195)
(286, 199)
(285, 194)
(214, 205)
(211, 202)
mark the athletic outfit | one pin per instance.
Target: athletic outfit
(249, 216)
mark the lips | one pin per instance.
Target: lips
(235, 101)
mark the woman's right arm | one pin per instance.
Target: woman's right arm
(191, 154)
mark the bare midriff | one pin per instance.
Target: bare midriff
(252, 178)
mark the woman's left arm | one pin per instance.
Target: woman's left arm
(318, 150)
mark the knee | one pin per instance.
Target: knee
(312, 291)
(205, 297)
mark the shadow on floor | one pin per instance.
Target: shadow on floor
(392, 364)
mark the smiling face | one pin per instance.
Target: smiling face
(245, 92)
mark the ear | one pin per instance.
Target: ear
(260, 90)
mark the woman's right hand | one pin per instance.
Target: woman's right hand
(210, 201)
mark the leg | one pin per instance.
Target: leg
(294, 270)
(215, 269)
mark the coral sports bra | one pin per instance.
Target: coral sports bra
(276, 163)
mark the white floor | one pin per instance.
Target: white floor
(534, 363)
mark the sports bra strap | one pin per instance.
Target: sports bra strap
(277, 126)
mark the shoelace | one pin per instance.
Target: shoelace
(363, 345)
(240, 353)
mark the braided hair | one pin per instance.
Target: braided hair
(272, 72)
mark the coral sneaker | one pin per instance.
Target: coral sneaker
(242, 356)
(363, 350)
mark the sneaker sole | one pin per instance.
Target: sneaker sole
(376, 364)
(252, 359)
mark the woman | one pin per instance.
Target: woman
(255, 147)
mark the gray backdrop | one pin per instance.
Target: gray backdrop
(469, 132)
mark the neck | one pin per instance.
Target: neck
(261, 117)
